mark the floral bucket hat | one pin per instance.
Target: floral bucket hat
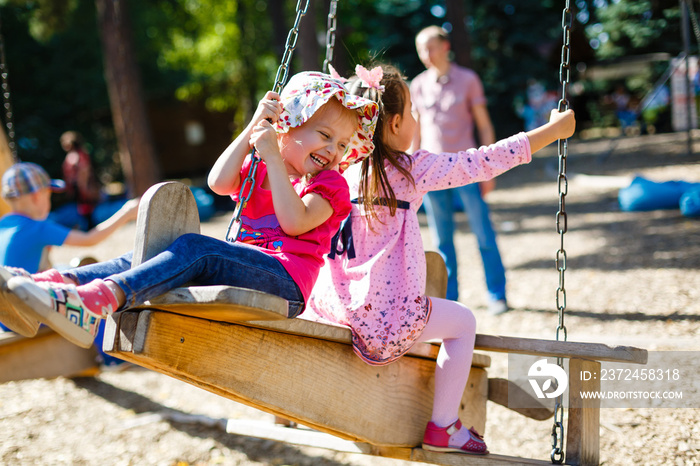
(306, 92)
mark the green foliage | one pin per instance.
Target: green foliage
(45, 17)
(56, 83)
(641, 26)
(222, 54)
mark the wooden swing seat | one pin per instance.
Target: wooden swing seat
(47, 355)
(238, 343)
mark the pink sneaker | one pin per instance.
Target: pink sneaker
(441, 439)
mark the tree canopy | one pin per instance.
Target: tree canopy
(224, 54)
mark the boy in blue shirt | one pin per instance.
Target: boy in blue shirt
(26, 231)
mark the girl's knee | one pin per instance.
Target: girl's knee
(187, 241)
(467, 318)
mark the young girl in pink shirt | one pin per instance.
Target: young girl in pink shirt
(375, 282)
(305, 138)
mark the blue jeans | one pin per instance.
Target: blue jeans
(201, 260)
(439, 210)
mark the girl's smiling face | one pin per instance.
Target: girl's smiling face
(320, 143)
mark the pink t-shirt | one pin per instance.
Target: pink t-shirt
(301, 256)
(444, 105)
(380, 294)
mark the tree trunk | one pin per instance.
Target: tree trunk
(461, 43)
(308, 42)
(136, 150)
(279, 29)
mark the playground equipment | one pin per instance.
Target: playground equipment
(238, 343)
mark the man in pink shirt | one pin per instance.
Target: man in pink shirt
(449, 101)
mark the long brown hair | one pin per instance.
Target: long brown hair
(374, 183)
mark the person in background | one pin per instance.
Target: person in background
(449, 102)
(81, 183)
(26, 232)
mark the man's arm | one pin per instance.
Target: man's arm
(487, 136)
(415, 145)
(413, 89)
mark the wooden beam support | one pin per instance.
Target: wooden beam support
(583, 430)
(505, 393)
(561, 349)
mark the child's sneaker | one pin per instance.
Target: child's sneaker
(16, 321)
(444, 439)
(59, 306)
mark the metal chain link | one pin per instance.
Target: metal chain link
(330, 34)
(280, 81)
(7, 104)
(557, 455)
(694, 20)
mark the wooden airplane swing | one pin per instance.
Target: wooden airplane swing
(239, 344)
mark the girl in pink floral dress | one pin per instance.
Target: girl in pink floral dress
(375, 282)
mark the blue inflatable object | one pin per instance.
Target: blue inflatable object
(205, 203)
(690, 203)
(643, 194)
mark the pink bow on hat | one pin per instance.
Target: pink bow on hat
(370, 78)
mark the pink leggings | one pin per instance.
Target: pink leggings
(455, 325)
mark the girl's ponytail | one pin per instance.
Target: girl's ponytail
(374, 183)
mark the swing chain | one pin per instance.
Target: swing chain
(330, 34)
(7, 104)
(280, 80)
(557, 455)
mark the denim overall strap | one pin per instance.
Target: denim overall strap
(344, 235)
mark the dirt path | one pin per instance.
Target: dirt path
(632, 278)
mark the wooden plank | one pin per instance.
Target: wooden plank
(305, 437)
(167, 211)
(6, 162)
(456, 459)
(436, 275)
(17, 321)
(341, 334)
(221, 303)
(47, 355)
(321, 384)
(583, 430)
(505, 393)
(563, 349)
